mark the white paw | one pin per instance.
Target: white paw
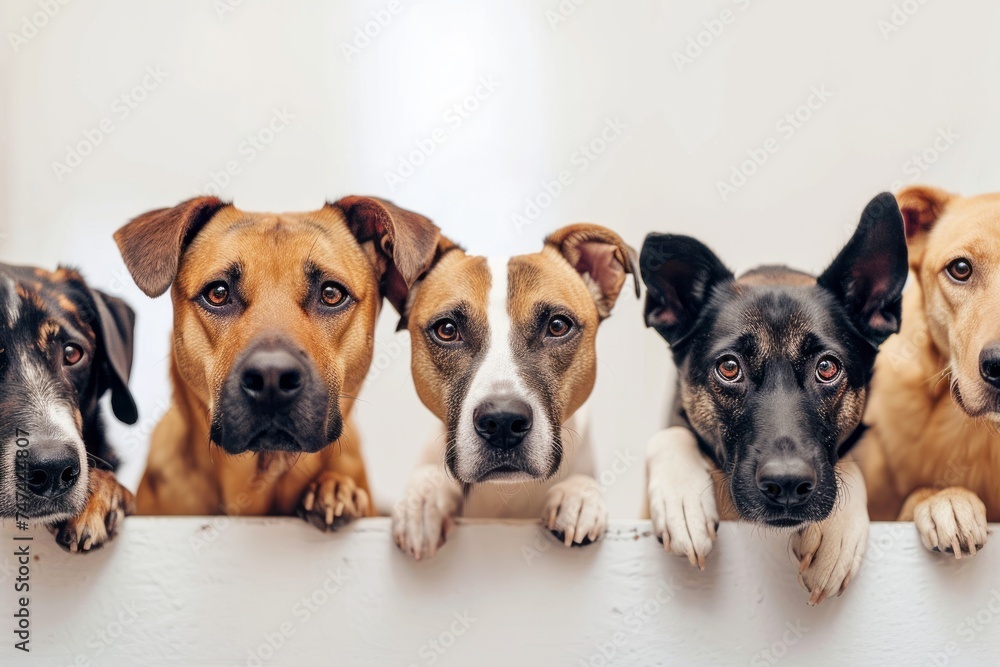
(681, 493)
(422, 520)
(952, 520)
(575, 511)
(830, 553)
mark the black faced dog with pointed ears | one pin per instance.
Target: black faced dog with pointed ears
(63, 345)
(773, 372)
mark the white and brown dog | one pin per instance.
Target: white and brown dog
(504, 355)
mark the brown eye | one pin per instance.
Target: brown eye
(72, 354)
(333, 294)
(960, 269)
(559, 327)
(728, 368)
(446, 331)
(216, 294)
(827, 369)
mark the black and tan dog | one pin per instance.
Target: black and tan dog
(274, 320)
(773, 372)
(63, 345)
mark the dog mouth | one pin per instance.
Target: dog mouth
(787, 523)
(276, 435)
(274, 439)
(507, 472)
(989, 407)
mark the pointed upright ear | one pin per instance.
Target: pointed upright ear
(868, 275)
(403, 246)
(152, 243)
(115, 330)
(679, 273)
(921, 206)
(601, 257)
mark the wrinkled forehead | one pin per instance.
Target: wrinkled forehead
(776, 321)
(41, 302)
(274, 248)
(513, 287)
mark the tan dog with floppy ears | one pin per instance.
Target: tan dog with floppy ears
(274, 318)
(932, 454)
(504, 355)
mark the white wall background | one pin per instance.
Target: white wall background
(892, 93)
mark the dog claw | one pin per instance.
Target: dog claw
(806, 562)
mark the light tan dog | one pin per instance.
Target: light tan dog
(274, 318)
(932, 454)
(504, 355)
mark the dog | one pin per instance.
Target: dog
(932, 454)
(773, 369)
(503, 353)
(274, 318)
(63, 345)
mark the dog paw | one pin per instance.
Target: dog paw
(830, 553)
(685, 518)
(423, 519)
(575, 511)
(681, 494)
(332, 500)
(952, 520)
(108, 503)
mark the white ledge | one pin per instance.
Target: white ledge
(210, 591)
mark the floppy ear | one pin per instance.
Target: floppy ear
(152, 243)
(601, 257)
(921, 206)
(116, 328)
(403, 247)
(869, 273)
(679, 273)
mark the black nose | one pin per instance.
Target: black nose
(503, 423)
(786, 481)
(989, 364)
(272, 378)
(51, 470)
